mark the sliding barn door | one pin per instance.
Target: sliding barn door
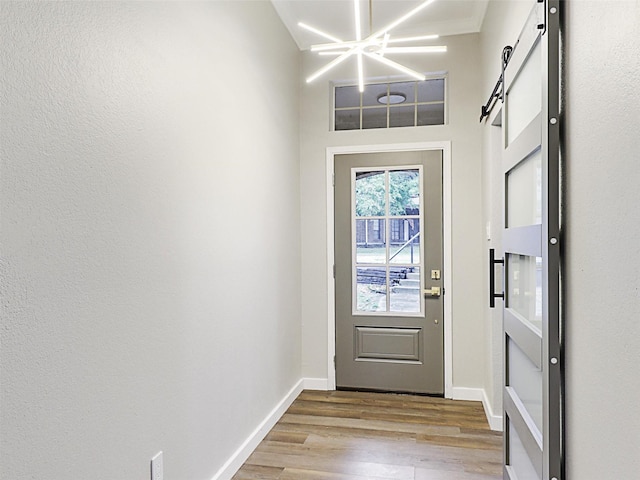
(531, 240)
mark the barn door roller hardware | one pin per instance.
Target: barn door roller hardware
(498, 90)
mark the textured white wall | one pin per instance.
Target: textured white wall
(149, 237)
(462, 63)
(602, 259)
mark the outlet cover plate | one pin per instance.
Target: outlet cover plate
(157, 468)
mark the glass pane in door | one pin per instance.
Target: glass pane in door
(405, 290)
(526, 379)
(524, 192)
(519, 460)
(404, 244)
(524, 98)
(404, 192)
(524, 287)
(371, 241)
(370, 194)
(371, 289)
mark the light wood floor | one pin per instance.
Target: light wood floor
(377, 436)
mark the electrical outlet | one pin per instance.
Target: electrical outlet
(157, 469)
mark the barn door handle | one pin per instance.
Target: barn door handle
(492, 278)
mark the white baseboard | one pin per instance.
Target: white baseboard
(315, 384)
(495, 421)
(479, 395)
(464, 393)
(236, 460)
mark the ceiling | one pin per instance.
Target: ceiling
(336, 17)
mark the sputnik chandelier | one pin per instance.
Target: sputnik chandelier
(375, 46)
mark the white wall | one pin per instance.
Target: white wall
(463, 66)
(602, 260)
(601, 231)
(149, 237)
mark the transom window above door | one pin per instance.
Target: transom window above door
(390, 104)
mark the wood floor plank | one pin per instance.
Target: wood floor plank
(372, 399)
(388, 454)
(369, 424)
(349, 432)
(373, 436)
(428, 474)
(464, 441)
(333, 465)
(297, 474)
(459, 413)
(255, 472)
(285, 436)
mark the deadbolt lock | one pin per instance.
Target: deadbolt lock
(435, 274)
(432, 292)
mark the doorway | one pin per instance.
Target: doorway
(383, 315)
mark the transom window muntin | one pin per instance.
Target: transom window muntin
(390, 104)
(387, 251)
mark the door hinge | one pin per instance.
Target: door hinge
(333, 179)
(334, 270)
(334, 361)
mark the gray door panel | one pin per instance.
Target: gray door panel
(390, 351)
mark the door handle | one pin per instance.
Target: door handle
(492, 278)
(431, 292)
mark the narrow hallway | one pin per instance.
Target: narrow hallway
(361, 436)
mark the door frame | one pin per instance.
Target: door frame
(331, 152)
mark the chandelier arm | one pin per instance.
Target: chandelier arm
(413, 39)
(383, 47)
(331, 64)
(319, 32)
(321, 47)
(397, 66)
(405, 17)
(356, 8)
(332, 53)
(429, 49)
(360, 73)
